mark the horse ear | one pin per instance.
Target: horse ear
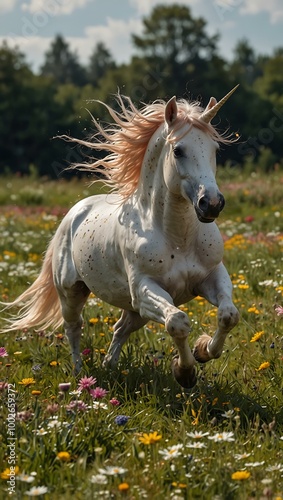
(212, 102)
(171, 111)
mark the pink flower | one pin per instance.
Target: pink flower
(279, 310)
(86, 383)
(114, 402)
(98, 393)
(3, 385)
(3, 352)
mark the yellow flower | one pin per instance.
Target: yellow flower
(257, 336)
(27, 381)
(253, 310)
(54, 363)
(263, 366)
(123, 487)
(64, 456)
(35, 393)
(240, 475)
(179, 485)
(151, 438)
(92, 321)
(8, 472)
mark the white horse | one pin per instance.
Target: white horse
(151, 246)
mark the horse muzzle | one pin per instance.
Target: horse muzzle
(208, 208)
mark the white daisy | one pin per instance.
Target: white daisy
(172, 452)
(35, 491)
(112, 471)
(25, 478)
(222, 436)
(197, 434)
(196, 445)
(98, 479)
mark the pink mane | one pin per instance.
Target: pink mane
(127, 139)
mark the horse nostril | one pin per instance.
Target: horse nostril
(203, 204)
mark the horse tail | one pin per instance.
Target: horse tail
(39, 304)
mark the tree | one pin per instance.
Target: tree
(99, 64)
(62, 64)
(177, 42)
(245, 67)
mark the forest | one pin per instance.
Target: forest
(173, 56)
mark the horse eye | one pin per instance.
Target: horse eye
(177, 152)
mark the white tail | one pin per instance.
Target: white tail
(40, 304)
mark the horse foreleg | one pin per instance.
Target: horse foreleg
(72, 301)
(155, 304)
(217, 289)
(129, 322)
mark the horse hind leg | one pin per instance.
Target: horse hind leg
(73, 300)
(129, 322)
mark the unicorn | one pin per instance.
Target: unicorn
(149, 245)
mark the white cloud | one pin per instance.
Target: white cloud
(274, 8)
(54, 7)
(115, 34)
(144, 7)
(7, 5)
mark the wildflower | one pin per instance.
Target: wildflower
(86, 383)
(54, 424)
(121, 420)
(52, 408)
(76, 405)
(7, 472)
(151, 438)
(197, 434)
(255, 464)
(253, 309)
(196, 445)
(35, 393)
(27, 381)
(64, 456)
(98, 479)
(64, 386)
(93, 321)
(263, 366)
(3, 352)
(97, 405)
(3, 385)
(54, 363)
(172, 452)
(257, 336)
(114, 402)
(228, 414)
(223, 436)
(35, 491)
(123, 487)
(25, 478)
(86, 352)
(24, 416)
(112, 471)
(98, 393)
(242, 456)
(240, 475)
(40, 432)
(279, 310)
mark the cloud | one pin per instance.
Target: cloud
(54, 7)
(115, 34)
(7, 5)
(144, 7)
(273, 7)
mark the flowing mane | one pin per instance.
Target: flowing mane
(127, 138)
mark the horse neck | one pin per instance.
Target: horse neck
(174, 215)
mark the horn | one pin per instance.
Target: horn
(207, 115)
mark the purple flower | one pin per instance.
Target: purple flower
(3, 352)
(76, 405)
(98, 393)
(86, 352)
(121, 419)
(64, 386)
(86, 383)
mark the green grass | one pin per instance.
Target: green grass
(232, 394)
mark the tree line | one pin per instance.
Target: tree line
(173, 56)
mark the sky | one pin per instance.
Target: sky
(31, 25)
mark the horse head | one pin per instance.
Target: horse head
(190, 158)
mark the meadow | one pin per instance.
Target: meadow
(133, 432)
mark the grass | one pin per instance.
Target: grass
(222, 440)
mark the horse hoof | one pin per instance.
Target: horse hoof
(200, 351)
(186, 377)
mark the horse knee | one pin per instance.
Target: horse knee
(228, 317)
(177, 324)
